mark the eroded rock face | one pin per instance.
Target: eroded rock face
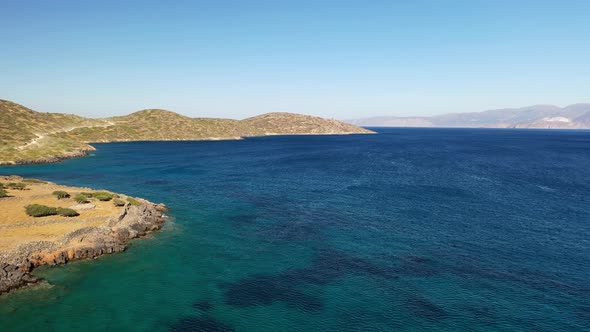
(86, 243)
(12, 277)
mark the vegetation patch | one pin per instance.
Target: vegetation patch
(103, 196)
(67, 212)
(81, 198)
(38, 210)
(3, 193)
(118, 202)
(34, 181)
(16, 185)
(133, 201)
(60, 194)
(87, 194)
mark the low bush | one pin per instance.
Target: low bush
(67, 212)
(16, 185)
(61, 194)
(103, 196)
(81, 198)
(34, 181)
(133, 201)
(3, 193)
(37, 210)
(118, 202)
(86, 194)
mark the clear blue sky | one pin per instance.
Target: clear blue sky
(341, 59)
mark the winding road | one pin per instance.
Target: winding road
(41, 136)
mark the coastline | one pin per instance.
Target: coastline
(91, 240)
(77, 153)
(84, 151)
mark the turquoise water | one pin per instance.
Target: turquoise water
(411, 229)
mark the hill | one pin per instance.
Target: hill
(158, 125)
(575, 116)
(299, 124)
(27, 136)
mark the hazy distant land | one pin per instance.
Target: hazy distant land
(575, 116)
(27, 136)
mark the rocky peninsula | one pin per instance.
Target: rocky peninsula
(103, 223)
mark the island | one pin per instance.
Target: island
(27, 136)
(48, 224)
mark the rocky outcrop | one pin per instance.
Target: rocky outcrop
(12, 277)
(85, 243)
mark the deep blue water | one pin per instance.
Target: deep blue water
(411, 229)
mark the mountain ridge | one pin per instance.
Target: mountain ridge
(541, 116)
(27, 136)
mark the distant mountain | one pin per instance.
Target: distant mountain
(575, 116)
(28, 136)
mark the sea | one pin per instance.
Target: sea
(407, 230)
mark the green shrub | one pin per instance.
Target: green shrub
(34, 181)
(61, 194)
(1, 185)
(118, 202)
(67, 212)
(133, 201)
(16, 186)
(3, 193)
(81, 198)
(86, 194)
(103, 196)
(37, 210)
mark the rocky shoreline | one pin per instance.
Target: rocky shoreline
(77, 153)
(86, 243)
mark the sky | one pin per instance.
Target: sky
(338, 59)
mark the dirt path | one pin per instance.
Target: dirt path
(34, 141)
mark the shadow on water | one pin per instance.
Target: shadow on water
(200, 324)
(203, 305)
(425, 309)
(327, 266)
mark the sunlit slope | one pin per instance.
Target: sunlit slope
(157, 125)
(299, 124)
(29, 136)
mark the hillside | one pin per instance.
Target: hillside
(27, 136)
(156, 124)
(575, 116)
(297, 124)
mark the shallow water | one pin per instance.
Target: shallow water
(432, 229)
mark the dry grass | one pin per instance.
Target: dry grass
(13, 237)
(17, 228)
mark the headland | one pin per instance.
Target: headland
(42, 223)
